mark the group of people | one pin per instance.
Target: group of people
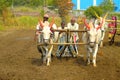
(72, 25)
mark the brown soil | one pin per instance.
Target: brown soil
(20, 60)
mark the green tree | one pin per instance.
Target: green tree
(107, 6)
(4, 4)
(90, 12)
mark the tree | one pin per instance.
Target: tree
(4, 4)
(107, 6)
(64, 7)
(90, 12)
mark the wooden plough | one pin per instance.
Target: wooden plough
(67, 44)
(68, 34)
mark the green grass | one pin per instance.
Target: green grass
(27, 9)
(27, 22)
(24, 22)
(1, 28)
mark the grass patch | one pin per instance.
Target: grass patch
(27, 22)
(24, 22)
(28, 9)
(1, 28)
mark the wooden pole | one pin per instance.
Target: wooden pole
(118, 21)
(66, 30)
(41, 44)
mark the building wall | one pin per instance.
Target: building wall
(84, 4)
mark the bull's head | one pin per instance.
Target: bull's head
(92, 33)
(46, 30)
(90, 25)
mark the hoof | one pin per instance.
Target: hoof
(74, 56)
(88, 63)
(48, 64)
(94, 65)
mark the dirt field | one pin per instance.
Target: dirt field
(20, 60)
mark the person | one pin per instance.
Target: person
(62, 38)
(112, 30)
(72, 25)
(40, 25)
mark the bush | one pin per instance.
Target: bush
(90, 12)
(27, 22)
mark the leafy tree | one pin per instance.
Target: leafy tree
(90, 12)
(107, 6)
(51, 2)
(4, 4)
(64, 7)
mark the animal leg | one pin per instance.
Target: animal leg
(94, 55)
(88, 55)
(45, 55)
(101, 44)
(48, 61)
(49, 56)
(88, 58)
(94, 61)
(103, 35)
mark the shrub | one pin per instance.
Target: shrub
(90, 12)
(27, 22)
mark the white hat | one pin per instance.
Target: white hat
(46, 15)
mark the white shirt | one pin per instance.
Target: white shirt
(63, 33)
(62, 38)
(46, 23)
(74, 27)
(38, 27)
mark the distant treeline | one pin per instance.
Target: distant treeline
(33, 3)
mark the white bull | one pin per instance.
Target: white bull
(92, 37)
(46, 39)
(104, 26)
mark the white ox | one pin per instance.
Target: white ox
(46, 39)
(92, 37)
(103, 28)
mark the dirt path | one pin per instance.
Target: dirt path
(20, 60)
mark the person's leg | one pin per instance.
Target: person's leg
(109, 37)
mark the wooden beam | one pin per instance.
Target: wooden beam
(67, 30)
(113, 21)
(114, 28)
(63, 43)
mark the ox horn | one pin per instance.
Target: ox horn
(99, 26)
(97, 15)
(51, 24)
(41, 24)
(105, 15)
(84, 20)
